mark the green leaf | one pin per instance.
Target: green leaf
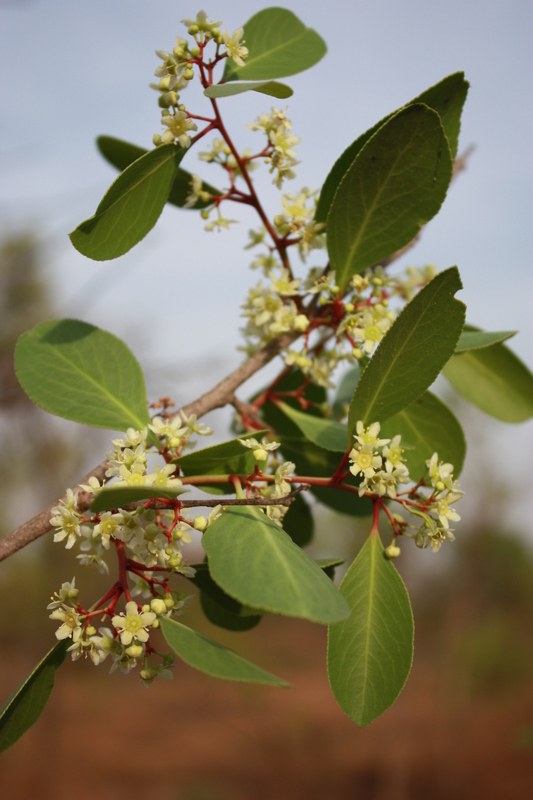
(427, 426)
(26, 704)
(329, 564)
(412, 352)
(219, 607)
(298, 522)
(476, 340)
(370, 653)
(80, 372)
(119, 496)
(446, 98)
(212, 658)
(325, 433)
(345, 391)
(220, 616)
(256, 562)
(278, 45)
(121, 154)
(396, 184)
(228, 458)
(272, 88)
(494, 380)
(312, 460)
(131, 206)
(316, 395)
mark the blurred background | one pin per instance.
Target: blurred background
(464, 723)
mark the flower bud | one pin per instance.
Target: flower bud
(279, 220)
(260, 454)
(204, 214)
(300, 323)
(195, 51)
(149, 513)
(151, 532)
(158, 606)
(215, 33)
(90, 630)
(392, 551)
(357, 353)
(147, 674)
(156, 139)
(134, 650)
(188, 74)
(200, 523)
(170, 98)
(349, 307)
(146, 607)
(193, 29)
(155, 623)
(168, 600)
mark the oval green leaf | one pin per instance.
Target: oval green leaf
(278, 45)
(77, 371)
(298, 522)
(119, 496)
(476, 340)
(272, 88)
(428, 426)
(494, 380)
(370, 653)
(212, 658)
(446, 98)
(121, 154)
(220, 608)
(345, 392)
(412, 352)
(26, 704)
(396, 184)
(228, 458)
(257, 563)
(131, 206)
(325, 433)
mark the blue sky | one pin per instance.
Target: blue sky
(74, 70)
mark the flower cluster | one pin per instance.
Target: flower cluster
(343, 329)
(438, 511)
(381, 466)
(281, 155)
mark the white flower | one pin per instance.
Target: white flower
(71, 627)
(68, 592)
(235, 50)
(133, 625)
(260, 450)
(202, 22)
(66, 520)
(178, 125)
(369, 435)
(364, 461)
(281, 486)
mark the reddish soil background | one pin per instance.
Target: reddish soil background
(195, 738)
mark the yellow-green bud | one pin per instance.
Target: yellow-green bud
(149, 514)
(169, 551)
(188, 74)
(148, 674)
(195, 51)
(134, 650)
(335, 289)
(323, 301)
(151, 532)
(200, 523)
(162, 103)
(170, 98)
(146, 607)
(90, 630)
(155, 623)
(357, 353)
(158, 606)
(215, 32)
(204, 214)
(156, 139)
(175, 561)
(392, 551)
(168, 600)
(349, 307)
(300, 323)
(193, 29)
(279, 220)
(181, 107)
(260, 454)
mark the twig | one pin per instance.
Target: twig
(228, 501)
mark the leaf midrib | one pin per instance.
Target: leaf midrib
(98, 214)
(254, 61)
(103, 389)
